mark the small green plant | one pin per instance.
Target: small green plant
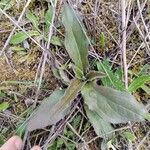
(103, 105)
(34, 20)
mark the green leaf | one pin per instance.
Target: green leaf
(19, 37)
(64, 76)
(6, 4)
(92, 75)
(101, 127)
(21, 128)
(76, 121)
(48, 18)
(75, 40)
(112, 105)
(55, 107)
(1, 140)
(55, 40)
(44, 115)
(2, 94)
(4, 106)
(111, 79)
(102, 40)
(130, 136)
(138, 82)
(147, 116)
(17, 48)
(146, 89)
(33, 19)
(144, 70)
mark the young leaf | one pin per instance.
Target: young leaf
(92, 75)
(21, 128)
(130, 136)
(55, 40)
(48, 18)
(19, 37)
(101, 127)
(4, 106)
(138, 82)
(75, 40)
(33, 19)
(2, 141)
(111, 79)
(102, 40)
(112, 105)
(144, 70)
(146, 89)
(2, 94)
(147, 116)
(55, 107)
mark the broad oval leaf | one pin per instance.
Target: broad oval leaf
(75, 40)
(101, 127)
(138, 82)
(19, 37)
(55, 107)
(42, 117)
(112, 105)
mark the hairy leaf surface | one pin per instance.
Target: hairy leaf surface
(55, 107)
(75, 40)
(101, 127)
(112, 105)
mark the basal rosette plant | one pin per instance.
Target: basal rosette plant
(103, 105)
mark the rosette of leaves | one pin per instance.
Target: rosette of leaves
(103, 105)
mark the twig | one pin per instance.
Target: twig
(123, 7)
(40, 79)
(45, 53)
(115, 130)
(143, 37)
(140, 144)
(54, 133)
(146, 29)
(70, 126)
(139, 48)
(128, 12)
(131, 28)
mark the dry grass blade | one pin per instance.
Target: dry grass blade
(143, 37)
(45, 53)
(123, 7)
